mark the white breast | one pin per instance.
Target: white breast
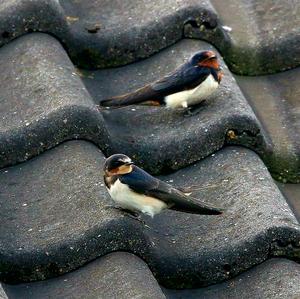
(133, 201)
(194, 96)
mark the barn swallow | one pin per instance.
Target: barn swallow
(133, 189)
(188, 85)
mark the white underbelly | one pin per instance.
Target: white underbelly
(194, 96)
(133, 201)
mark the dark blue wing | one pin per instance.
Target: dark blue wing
(142, 182)
(139, 180)
(185, 77)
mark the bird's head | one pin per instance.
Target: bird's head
(205, 59)
(117, 164)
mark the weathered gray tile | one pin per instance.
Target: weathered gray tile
(2, 293)
(43, 101)
(275, 100)
(54, 215)
(263, 36)
(276, 279)
(172, 138)
(237, 179)
(292, 194)
(105, 33)
(111, 33)
(117, 275)
(53, 205)
(55, 219)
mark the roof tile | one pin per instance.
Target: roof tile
(276, 279)
(104, 33)
(116, 275)
(55, 211)
(275, 100)
(55, 219)
(43, 101)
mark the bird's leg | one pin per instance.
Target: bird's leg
(193, 110)
(188, 112)
(132, 214)
(137, 217)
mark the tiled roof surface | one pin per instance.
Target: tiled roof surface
(101, 33)
(54, 208)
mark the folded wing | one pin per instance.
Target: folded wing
(142, 182)
(185, 77)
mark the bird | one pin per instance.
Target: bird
(137, 192)
(188, 85)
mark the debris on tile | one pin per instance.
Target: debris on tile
(227, 28)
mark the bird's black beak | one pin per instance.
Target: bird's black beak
(129, 163)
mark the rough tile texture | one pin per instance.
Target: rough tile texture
(117, 275)
(276, 279)
(43, 101)
(275, 100)
(52, 225)
(235, 178)
(292, 194)
(53, 208)
(2, 293)
(105, 33)
(263, 36)
(110, 33)
(55, 215)
(172, 138)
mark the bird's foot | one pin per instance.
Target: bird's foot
(131, 214)
(195, 109)
(138, 217)
(128, 212)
